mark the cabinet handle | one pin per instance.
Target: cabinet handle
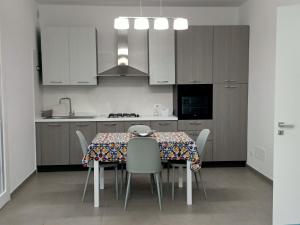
(163, 124)
(82, 125)
(54, 125)
(195, 81)
(162, 81)
(230, 81)
(110, 125)
(56, 82)
(195, 123)
(231, 86)
(83, 82)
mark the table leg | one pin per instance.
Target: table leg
(189, 194)
(96, 183)
(180, 177)
(102, 178)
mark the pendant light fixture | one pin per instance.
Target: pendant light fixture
(142, 23)
(121, 23)
(180, 24)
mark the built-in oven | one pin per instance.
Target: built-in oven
(195, 101)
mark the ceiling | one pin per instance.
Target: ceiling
(174, 3)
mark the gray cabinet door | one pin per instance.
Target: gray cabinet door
(194, 48)
(132, 123)
(164, 126)
(230, 122)
(55, 143)
(110, 127)
(231, 54)
(38, 129)
(89, 131)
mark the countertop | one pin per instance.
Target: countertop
(105, 119)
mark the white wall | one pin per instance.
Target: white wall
(113, 93)
(261, 16)
(17, 19)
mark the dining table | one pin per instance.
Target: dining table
(112, 147)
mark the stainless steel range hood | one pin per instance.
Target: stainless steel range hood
(123, 67)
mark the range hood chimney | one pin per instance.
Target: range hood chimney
(123, 68)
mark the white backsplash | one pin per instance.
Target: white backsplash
(112, 95)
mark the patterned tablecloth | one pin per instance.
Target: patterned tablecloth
(112, 147)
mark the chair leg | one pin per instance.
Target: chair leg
(86, 183)
(117, 183)
(157, 178)
(203, 185)
(152, 183)
(173, 183)
(161, 185)
(127, 191)
(122, 177)
(196, 179)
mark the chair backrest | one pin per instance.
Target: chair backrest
(139, 129)
(143, 156)
(201, 141)
(83, 142)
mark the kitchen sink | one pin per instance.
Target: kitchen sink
(72, 117)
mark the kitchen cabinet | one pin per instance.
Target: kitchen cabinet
(55, 55)
(54, 139)
(231, 54)
(194, 49)
(38, 131)
(110, 127)
(89, 131)
(164, 126)
(161, 57)
(69, 56)
(132, 123)
(83, 65)
(230, 122)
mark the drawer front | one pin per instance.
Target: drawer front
(110, 127)
(164, 126)
(195, 133)
(89, 131)
(185, 125)
(132, 123)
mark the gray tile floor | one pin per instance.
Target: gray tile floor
(236, 196)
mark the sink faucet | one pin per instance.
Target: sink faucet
(71, 113)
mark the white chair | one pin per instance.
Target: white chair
(84, 148)
(200, 142)
(143, 157)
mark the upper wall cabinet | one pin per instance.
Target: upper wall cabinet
(161, 57)
(194, 48)
(69, 56)
(231, 54)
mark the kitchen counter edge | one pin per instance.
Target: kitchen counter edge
(104, 119)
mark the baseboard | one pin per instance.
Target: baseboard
(61, 168)
(224, 164)
(23, 183)
(260, 174)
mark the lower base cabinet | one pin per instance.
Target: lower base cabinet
(54, 143)
(89, 131)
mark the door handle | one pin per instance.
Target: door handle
(284, 125)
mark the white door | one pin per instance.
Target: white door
(286, 199)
